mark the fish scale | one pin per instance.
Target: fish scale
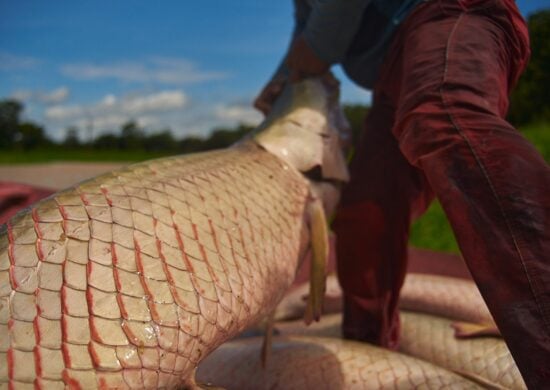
(131, 278)
(301, 362)
(485, 359)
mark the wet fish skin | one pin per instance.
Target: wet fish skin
(311, 363)
(443, 296)
(486, 360)
(130, 279)
(432, 303)
(147, 270)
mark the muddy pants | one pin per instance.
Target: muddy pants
(437, 128)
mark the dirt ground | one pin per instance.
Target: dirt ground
(55, 176)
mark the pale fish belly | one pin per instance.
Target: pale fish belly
(313, 363)
(130, 279)
(485, 360)
(430, 336)
(443, 296)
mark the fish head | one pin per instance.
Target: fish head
(308, 130)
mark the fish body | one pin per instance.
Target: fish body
(312, 363)
(444, 296)
(431, 304)
(130, 279)
(484, 360)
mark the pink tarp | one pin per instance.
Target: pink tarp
(15, 196)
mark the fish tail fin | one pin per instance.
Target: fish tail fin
(268, 339)
(464, 330)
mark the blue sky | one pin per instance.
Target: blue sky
(186, 65)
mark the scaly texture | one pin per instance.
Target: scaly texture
(431, 338)
(330, 325)
(444, 296)
(293, 305)
(131, 278)
(314, 363)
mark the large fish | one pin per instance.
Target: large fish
(132, 278)
(444, 296)
(314, 363)
(428, 336)
(484, 360)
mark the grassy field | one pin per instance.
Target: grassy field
(86, 155)
(431, 231)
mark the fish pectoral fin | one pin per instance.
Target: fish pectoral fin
(268, 339)
(465, 330)
(319, 259)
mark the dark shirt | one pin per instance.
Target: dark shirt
(353, 33)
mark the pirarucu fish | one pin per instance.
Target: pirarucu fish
(130, 279)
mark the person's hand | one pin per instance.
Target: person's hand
(269, 94)
(303, 62)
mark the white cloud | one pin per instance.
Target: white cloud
(127, 107)
(163, 101)
(164, 109)
(111, 112)
(10, 62)
(56, 96)
(159, 70)
(104, 122)
(65, 112)
(238, 113)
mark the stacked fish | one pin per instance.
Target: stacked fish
(131, 279)
(430, 354)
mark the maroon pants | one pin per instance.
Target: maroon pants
(436, 128)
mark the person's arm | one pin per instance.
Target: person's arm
(322, 35)
(274, 86)
(302, 11)
(321, 38)
(329, 31)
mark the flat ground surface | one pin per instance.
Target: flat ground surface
(55, 176)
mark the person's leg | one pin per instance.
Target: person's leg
(372, 226)
(493, 185)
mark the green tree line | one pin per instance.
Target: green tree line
(18, 134)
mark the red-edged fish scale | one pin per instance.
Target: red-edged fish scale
(444, 296)
(314, 363)
(425, 336)
(430, 338)
(486, 358)
(131, 278)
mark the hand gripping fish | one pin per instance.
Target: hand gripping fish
(130, 279)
